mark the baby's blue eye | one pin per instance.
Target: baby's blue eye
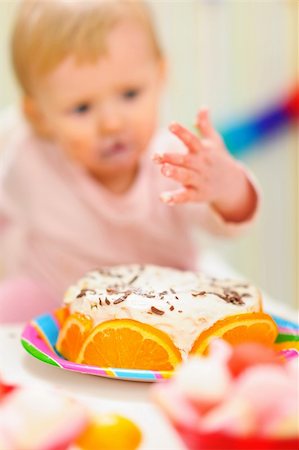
(82, 108)
(131, 93)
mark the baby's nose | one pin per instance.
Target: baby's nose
(110, 120)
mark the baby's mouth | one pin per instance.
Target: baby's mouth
(114, 150)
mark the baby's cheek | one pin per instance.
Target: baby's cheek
(77, 139)
(74, 148)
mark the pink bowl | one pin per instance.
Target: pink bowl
(194, 440)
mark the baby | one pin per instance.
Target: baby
(89, 180)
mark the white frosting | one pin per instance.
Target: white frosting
(182, 304)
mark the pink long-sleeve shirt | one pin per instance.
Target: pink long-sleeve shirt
(56, 222)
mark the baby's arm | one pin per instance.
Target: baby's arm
(208, 173)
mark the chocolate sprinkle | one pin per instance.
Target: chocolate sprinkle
(157, 311)
(133, 279)
(83, 292)
(195, 294)
(171, 308)
(119, 300)
(234, 299)
(162, 293)
(228, 296)
(233, 293)
(107, 301)
(111, 290)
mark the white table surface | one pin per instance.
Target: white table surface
(129, 398)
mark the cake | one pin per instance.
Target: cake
(179, 305)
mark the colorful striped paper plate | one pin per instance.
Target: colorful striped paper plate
(39, 339)
(40, 335)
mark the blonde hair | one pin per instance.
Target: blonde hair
(47, 31)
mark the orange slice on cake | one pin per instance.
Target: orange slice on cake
(61, 314)
(72, 335)
(126, 343)
(253, 327)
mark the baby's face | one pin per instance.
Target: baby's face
(103, 114)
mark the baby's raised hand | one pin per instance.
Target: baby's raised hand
(207, 172)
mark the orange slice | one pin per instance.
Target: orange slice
(110, 432)
(126, 343)
(72, 335)
(254, 327)
(62, 314)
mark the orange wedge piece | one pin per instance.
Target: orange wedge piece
(61, 314)
(126, 343)
(72, 335)
(108, 431)
(254, 327)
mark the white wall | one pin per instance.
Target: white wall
(235, 57)
(232, 56)
(8, 90)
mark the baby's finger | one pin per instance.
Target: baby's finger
(187, 160)
(173, 158)
(204, 124)
(191, 141)
(181, 174)
(183, 195)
